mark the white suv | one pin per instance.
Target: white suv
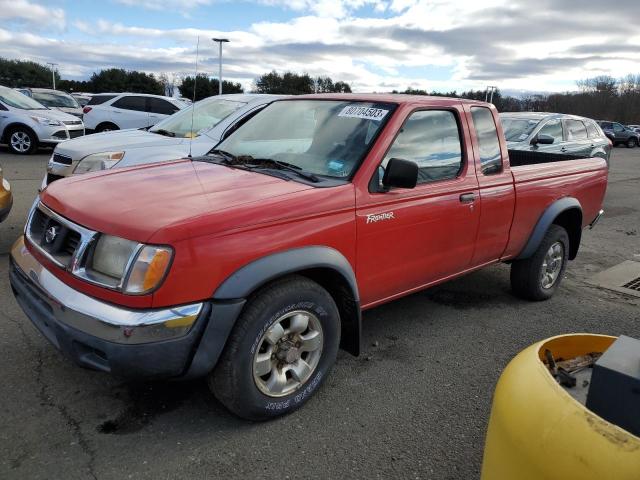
(117, 111)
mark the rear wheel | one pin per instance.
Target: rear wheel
(632, 142)
(538, 277)
(281, 349)
(22, 141)
(106, 127)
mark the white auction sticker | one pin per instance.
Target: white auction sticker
(366, 113)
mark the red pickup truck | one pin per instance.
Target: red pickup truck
(252, 265)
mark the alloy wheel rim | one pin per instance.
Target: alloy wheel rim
(552, 265)
(288, 353)
(20, 141)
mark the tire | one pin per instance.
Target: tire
(22, 140)
(106, 127)
(632, 142)
(256, 346)
(527, 279)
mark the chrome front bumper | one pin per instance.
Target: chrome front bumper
(97, 318)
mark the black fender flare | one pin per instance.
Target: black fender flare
(229, 299)
(260, 272)
(544, 222)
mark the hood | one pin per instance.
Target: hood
(53, 115)
(75, 111)
(172, 199)
(119, 140)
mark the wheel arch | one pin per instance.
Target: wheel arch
(12, 126)
(324, 265)
(565, 212)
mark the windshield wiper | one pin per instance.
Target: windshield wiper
(162, 131)
(270, 163)
(251, 163)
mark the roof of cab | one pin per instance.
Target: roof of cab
(397, 98)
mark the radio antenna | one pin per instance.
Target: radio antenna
(193, 102)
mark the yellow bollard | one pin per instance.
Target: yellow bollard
(538, 431)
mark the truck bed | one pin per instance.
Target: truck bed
(538, 185)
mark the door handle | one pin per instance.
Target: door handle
(563, 149)
(467, 198)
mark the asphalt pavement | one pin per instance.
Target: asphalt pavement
(414, 405)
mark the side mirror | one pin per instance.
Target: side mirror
(400, 174)
(542, 139)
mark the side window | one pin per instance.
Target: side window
(488, 141)
(131, 103)
(593, 130)
(430, 138)
(553, 128)
(575, 130)
(100, 99)
(617, 127)
(158, 105)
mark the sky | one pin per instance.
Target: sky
(374, 45)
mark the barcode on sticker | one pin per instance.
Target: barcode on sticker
(366, 113)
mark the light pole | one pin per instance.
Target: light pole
(220, 42)
(53, 73)
(491, 88)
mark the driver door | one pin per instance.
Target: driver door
(409, 238)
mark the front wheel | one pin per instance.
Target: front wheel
(632, 142)
(281, 349)
(538, 277)
(22, 141)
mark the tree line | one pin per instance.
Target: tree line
(602, 97)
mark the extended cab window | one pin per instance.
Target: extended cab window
(131, 103)
(488, 141)
(576, 130)
(553, 128)
(431, 139)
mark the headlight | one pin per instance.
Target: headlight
(47, 121)
(131, 267)
(98, 161)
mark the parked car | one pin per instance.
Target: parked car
(25, 124)
(82, 98)
(619, 134)
(54, 99)
(555, 133)
(6, 198)
(117, 111)
(635, 128)
(252, 265)
(213, 118)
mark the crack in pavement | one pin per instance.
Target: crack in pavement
(46, 399)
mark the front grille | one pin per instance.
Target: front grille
(76, 133)
(56, 237)
(60, 134)
(72, 122)
(62, 159)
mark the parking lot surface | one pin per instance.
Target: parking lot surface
(414, 405)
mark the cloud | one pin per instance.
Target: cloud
(539, 44)
(31, 13)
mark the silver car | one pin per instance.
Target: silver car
(25, 124)
(196, 130)
(54, 99)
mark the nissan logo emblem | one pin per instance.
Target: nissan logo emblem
(51, 234)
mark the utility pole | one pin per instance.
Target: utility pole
(53, 73)
(220, 41)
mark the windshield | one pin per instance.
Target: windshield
(51, 99)
(518, 129)
(206, 114)
(322, 137)
(18, 100)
